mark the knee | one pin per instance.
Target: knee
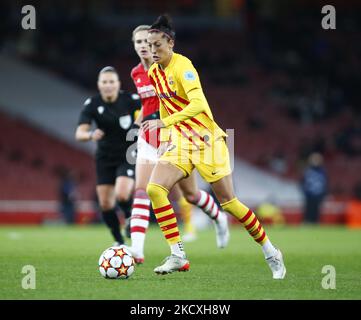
(105, 205)
(123, 197)
(190, 197)
(155, 191)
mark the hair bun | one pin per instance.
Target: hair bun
(164, 20)
(164, 24)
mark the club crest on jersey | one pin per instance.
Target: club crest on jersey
(189, 75)
(125, 121)
(100, 109)
(170, 80)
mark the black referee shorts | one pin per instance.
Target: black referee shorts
(108, 172)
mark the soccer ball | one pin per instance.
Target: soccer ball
(116, 263)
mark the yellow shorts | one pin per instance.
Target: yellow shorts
(212, 162)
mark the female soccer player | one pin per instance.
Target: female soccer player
(196, 142)
(148, 143)
(113, 112)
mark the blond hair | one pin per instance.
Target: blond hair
(142, 27)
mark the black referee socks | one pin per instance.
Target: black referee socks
(126, 207)
(111, 220)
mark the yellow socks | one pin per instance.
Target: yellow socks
(166, 218)
(247, 218)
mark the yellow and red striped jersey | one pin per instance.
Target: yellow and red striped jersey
(183, 107)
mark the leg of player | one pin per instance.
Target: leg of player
(164, 177)
(106, 198)
(126, 208)
(223, 189)
(206, 203)
(141, 210)
(185, 211)
(124, 187)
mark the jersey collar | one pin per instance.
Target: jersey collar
(171, 62)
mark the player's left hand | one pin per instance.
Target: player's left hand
(152, 125)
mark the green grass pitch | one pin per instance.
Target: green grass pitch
(65, 260)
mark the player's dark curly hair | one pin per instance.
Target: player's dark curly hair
(163, 24)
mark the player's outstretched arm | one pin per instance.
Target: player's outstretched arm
(83, 133)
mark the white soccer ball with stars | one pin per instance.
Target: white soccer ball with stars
(116, 263)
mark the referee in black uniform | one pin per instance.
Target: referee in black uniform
(112, 110)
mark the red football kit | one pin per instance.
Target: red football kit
(149, 99)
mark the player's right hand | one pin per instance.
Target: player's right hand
(97, 134)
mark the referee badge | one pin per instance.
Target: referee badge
(100, 109)
(125, 121)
